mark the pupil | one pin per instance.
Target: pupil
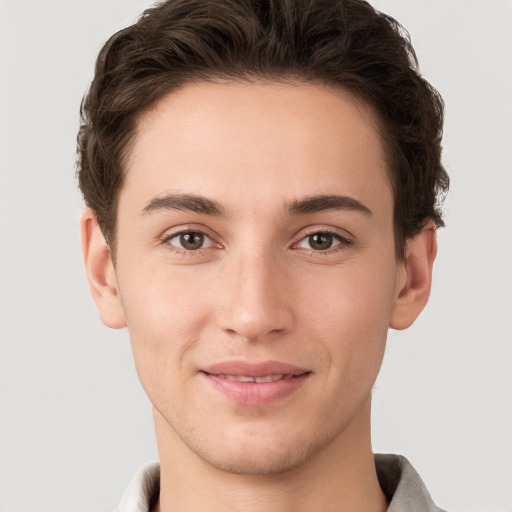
(192, 240)
(320, 241)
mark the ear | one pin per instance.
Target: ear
(100, 272)
(414, 278)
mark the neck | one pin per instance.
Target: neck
(340, 477)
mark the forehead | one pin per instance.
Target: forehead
(247, 141)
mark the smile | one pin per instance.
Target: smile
(247, 378)
(255, 384)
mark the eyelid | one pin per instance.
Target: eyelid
(179, 234)
(186, 228)
(345, 238)
(169, 234)
(311, 230)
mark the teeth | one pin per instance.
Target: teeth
(244, 378)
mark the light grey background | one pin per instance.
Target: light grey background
(75, 425)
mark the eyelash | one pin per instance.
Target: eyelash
(343, 244)
(189, 252)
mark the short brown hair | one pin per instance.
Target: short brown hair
(341, 43)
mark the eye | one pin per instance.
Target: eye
(322, 241)
(190, 240)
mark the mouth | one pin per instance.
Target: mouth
(255, 383)
(247, 378)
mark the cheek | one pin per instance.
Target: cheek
(350, 314)
(165, 316)
(350, 297)
(161, 298)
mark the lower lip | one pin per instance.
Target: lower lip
(256, 393)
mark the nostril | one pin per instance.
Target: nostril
(245, 335)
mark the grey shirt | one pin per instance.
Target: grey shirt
(401, 484)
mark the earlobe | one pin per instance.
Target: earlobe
(415, 279)
(100, 272)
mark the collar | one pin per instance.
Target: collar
(402, 486)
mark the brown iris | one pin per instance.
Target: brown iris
(320, 241)
(191, 241)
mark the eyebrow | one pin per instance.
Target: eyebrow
(205, 206)
(318, 203)
(184, 202)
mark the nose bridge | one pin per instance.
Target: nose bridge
(255, 303)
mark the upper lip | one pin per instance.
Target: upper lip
(248, 369)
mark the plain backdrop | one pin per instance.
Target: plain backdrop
(75, 424)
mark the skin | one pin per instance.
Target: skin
(259, 289)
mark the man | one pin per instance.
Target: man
(262, 182)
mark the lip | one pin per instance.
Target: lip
(255, 393)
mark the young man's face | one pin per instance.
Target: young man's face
(255, 242)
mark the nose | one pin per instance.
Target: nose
(255, 304)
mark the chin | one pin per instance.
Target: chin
(258, 453)
(251, 445)
(255, 461)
